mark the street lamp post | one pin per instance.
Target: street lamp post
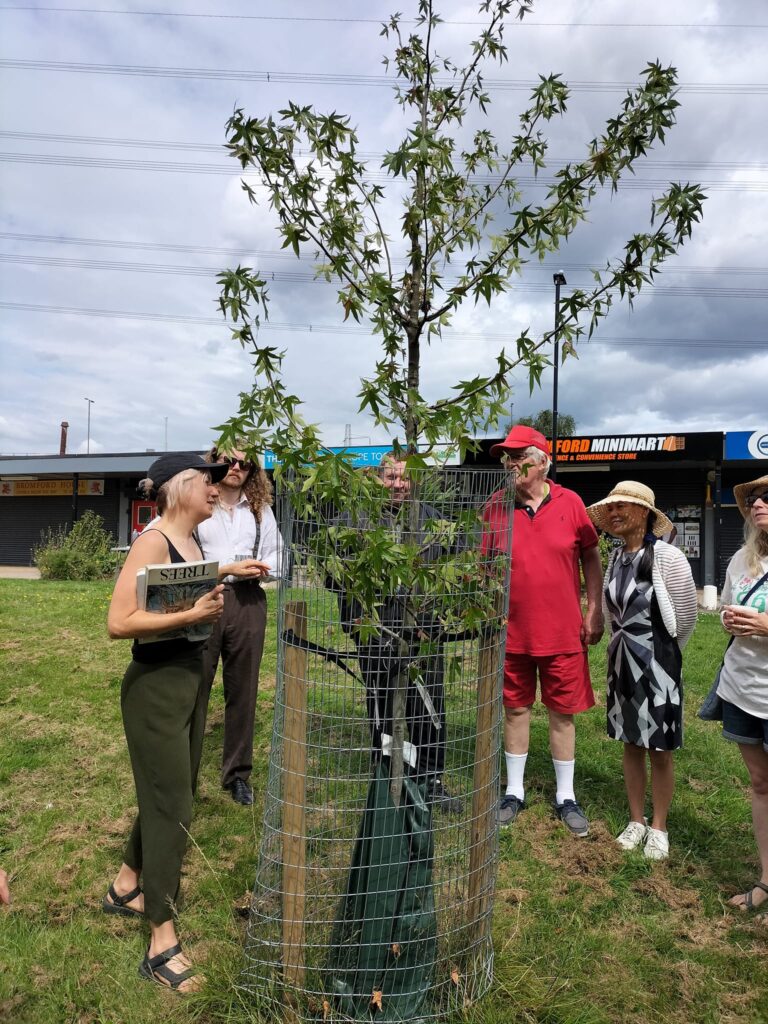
(88, 440)
(558, 279)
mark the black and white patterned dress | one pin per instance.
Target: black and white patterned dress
(645, 697)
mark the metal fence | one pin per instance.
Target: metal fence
(374, 888)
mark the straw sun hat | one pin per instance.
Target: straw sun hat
(636, 494)
(741, 492)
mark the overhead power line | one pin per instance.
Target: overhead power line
(525, 23)
(314, 78)
(306, 277)
(351, 329)
(230, 169)
(245, 251)
(210, 147)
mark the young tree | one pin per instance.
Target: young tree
(482, 232)
(466, 231)
(324, 201)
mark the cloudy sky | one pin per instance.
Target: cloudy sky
(120, 206)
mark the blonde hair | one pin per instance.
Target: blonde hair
(755, 546)
(170, 495)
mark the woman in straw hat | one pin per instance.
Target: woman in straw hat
(650, 603)
(743, 685)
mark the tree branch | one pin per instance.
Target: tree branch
(572, 318)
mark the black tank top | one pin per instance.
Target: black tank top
(164, 650)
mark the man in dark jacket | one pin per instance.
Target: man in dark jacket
(395, 652)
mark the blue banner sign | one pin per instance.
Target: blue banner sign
(746, 444)
(371, 455)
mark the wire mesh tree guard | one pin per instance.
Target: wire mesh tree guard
(374, 888)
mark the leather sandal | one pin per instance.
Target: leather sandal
(748, 906)
(114, 904)
(156, 969)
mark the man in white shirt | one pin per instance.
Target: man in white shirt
(242, 527)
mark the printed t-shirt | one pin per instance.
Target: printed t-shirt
(544, 594)
(744, 675)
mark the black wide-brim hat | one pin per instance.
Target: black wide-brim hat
(167, 466)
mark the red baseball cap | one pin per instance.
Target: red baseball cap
(521, 437)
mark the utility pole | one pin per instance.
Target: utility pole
(558, 279)
(90, 402)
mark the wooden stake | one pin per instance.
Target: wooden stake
(484, 796)
(294, 796)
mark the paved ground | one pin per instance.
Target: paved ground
(19, 572)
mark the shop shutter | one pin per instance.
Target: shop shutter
(672, 486)
(731, 537)
(22, 520)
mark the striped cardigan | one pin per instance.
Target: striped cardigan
(674, 589)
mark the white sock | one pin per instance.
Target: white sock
(515, 774)
(564, 780)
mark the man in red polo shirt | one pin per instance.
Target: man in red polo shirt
(547, 634)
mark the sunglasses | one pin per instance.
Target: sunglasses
(244, 464)
(752, 499)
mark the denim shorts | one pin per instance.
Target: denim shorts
(741, 727)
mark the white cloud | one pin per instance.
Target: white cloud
(140, 372)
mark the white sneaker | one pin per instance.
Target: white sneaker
(633, 835)
(656, 845)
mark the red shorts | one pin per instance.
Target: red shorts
(565, 683)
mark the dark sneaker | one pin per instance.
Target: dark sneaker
(572, 816)
(442, 799)
(241, 792)
(509, 808)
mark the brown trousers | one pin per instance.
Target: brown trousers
(238, 639)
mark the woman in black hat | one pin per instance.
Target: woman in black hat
(743, 680)
(163, 704)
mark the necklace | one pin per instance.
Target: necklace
(628, 557)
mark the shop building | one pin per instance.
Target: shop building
(50, 492)
(745, 457)
(692, 475)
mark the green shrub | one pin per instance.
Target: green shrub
(83, 552)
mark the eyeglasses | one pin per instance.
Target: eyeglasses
(752, 499)
(244, 464)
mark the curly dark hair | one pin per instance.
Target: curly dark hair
(257, 487)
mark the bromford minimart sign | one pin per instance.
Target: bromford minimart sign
(618, 447)
(48, 488)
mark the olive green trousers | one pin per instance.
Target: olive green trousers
(164, 707)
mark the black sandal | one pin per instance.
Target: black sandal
(749, 905)
(155, 969)
(114, 904)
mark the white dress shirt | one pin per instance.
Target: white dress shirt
(229, 536)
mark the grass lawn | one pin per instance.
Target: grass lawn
(584, 934)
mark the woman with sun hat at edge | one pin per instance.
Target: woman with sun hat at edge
(743, 683)
(650, 606)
